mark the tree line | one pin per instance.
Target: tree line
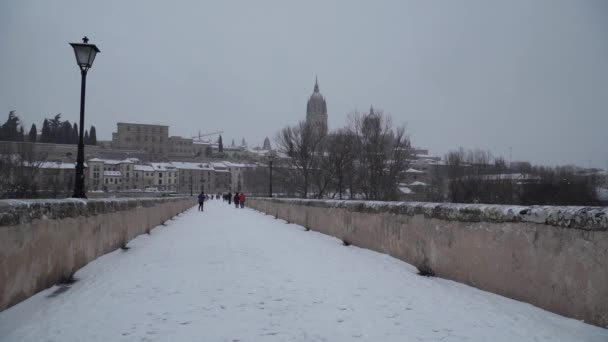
(368, 158)
(475, 176)
(364, 159)
(54, 131)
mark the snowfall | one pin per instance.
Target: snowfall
(229, 274)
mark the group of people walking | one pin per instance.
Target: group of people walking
(238, 198)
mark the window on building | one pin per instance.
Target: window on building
(160, 182)
(160, 174)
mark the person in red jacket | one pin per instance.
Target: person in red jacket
(242, 199)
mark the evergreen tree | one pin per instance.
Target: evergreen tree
(65, 133)
(220, 144)
(87, 141)
(31, 137)
(56, 131)
(93, 135)
(45, 135)
(232, 143)
(10, 129)
(75, 134)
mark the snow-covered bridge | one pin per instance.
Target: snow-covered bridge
(231, 274)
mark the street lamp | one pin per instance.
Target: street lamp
(270, 160)
(85, 55)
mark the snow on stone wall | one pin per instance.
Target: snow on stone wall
(43, 242)
(15, 212)
(586, 218)
(551, 257)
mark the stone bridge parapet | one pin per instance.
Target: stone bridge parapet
(43, 242)
(553, 257)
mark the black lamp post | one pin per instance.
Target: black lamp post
(85, 55)
(270, 160)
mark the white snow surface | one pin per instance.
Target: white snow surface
(229, 274)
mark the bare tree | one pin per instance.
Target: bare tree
(300, 144)
(257, 180)
(563, 185)
(19, 170)
(382, 154)
(341, 156)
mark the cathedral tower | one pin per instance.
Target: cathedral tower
(316, 111)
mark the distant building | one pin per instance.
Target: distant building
(144, 176)
(181, 147)
(165, 177)
(222, 177)
(316, 111)
(152, 139)
(111, 175)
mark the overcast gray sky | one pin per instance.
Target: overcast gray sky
(479, 74)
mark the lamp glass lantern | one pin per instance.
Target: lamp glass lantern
(85, 54)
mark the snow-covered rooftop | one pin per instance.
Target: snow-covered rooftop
(163, 166)
(418, 183)
(412, 170)
(115, 162)
(145, 168)
(192, 166)
(405, 190)
(57, 165)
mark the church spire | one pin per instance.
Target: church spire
(371, 110)
(316, 84)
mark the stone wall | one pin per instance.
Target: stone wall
(553, 257)
(43, 242)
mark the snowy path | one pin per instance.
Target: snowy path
(239, 275)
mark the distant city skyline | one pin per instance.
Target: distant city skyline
(531, 76)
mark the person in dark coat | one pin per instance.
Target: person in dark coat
(236, 200)
(242, 199)
(201, 200)
(229, 198)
